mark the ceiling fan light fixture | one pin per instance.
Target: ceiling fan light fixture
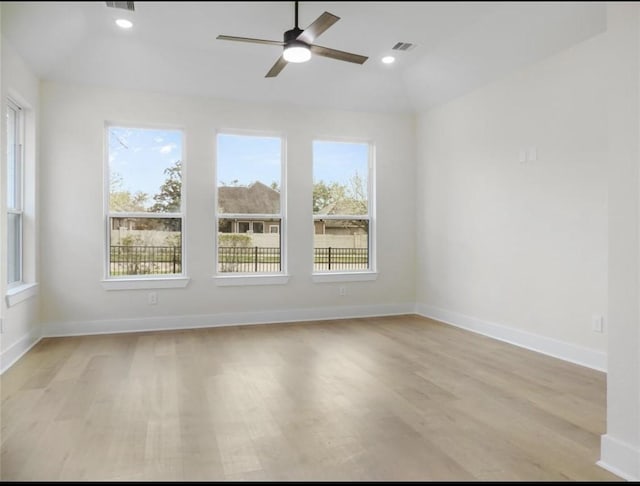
(296, 52)
(299, 44)
(124, 23)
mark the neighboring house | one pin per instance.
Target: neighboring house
(256, 198)
(341, 226)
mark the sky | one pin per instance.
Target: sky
(140, 156)
(339, 161)
(250, 158)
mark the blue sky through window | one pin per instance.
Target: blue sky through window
(140, 156)
(247, 159)
(244, 159)
(339, 161)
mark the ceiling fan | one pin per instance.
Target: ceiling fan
(298, 45)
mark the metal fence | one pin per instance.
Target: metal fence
(248, 259)
(143, 260)
(256, 259)
(341, 258)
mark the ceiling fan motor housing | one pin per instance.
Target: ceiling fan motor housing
(291, 37)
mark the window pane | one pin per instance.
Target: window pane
(340, 178)
(248, 174)
(145, 170)
(225, 226)
(12, 169)
(14, 236)
(145, 246)
(243, 252)
(341, 244)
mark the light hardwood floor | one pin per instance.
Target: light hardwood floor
(393, 398)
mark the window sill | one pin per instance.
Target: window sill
(344, 277)
(145, 283)
(238, 280)
(20, 293)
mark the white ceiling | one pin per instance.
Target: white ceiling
(172, 47)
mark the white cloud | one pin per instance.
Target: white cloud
(158, 139)
(167, 149)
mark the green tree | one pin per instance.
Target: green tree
(168, 200)
(351, 196)
(325, 194)
(356, 192)
(121, 200)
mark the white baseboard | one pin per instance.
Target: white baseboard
(545, 345)
(620, 458)
(165, 323)
(18, 349)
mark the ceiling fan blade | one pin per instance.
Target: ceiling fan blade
(321, 24)
(339, 55)
(276, 68)
(249, 39)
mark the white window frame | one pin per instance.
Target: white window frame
(17, 182)
(27, 285)
(371, 273)
(131, 282)
(254, 278)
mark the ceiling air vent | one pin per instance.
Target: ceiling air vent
(123, 5)
(403, 46)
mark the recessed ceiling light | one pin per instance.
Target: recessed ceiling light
(124, 23)
(388, 59)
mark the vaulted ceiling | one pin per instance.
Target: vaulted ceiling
(172, 47)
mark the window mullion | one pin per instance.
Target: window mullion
(115, 214)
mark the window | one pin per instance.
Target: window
(342, 208)
(145, 206)
(15, 171)
(249, 196)
(258, 227)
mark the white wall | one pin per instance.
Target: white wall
(519, 250)
(621, 444)
(20, 321)
(72, 228)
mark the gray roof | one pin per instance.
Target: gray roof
(344, 206)
(257, 198)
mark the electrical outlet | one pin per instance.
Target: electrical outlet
(522, 156)
(597, 323)
(153, 298)
(342, 290)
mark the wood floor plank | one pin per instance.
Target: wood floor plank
(399, 398)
